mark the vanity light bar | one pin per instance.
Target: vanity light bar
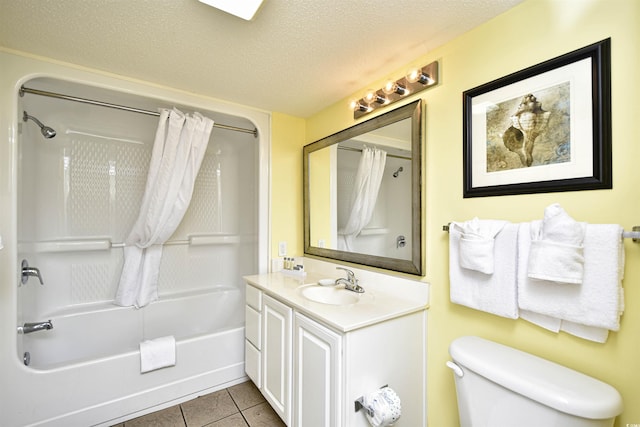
(416, 80)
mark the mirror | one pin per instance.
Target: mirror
(362, 193)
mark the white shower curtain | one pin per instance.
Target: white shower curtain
(363, 196)
(178, 150)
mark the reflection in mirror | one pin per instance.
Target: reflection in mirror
(362, 192)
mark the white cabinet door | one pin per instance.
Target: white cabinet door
(252, 365)
(317, 374)
(276, 356)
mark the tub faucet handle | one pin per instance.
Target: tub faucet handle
(29, 271)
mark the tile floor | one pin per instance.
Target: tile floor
(241, 405)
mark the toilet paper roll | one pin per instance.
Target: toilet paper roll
(383, 407)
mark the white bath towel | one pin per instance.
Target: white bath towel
(556, 325)
(552, 324)
(556, 252)
(157, 353)
(597, 302)
(495, 293)
(549, 323)
(524, 246)
(477, 243)
(590, 333)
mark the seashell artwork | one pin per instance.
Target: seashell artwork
(532, 130)
(531, 120)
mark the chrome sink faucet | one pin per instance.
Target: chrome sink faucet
(350, 283)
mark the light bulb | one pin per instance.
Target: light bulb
(417, 76)
(373, 96)
(394, 87)
(358, 106)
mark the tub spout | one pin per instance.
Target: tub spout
(27, 328)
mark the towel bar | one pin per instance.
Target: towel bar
(634, 234)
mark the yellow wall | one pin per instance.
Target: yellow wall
(287, 132)
(533, 32)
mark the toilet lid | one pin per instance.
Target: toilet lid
(548, 383)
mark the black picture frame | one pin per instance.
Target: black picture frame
(563, 105)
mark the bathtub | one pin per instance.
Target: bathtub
(98, 333)
(101, 379)
(70, 205)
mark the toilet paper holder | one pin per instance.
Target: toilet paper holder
(359, 403)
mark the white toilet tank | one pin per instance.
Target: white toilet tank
(498, 386)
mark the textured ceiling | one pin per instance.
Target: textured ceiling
(295, 57)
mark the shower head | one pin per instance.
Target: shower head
(46, 131)
(396, 173)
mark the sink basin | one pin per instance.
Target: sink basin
(331, 295)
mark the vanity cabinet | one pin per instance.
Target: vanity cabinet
(318, 374)
(312, 374)
(268, 349)
(276, 356)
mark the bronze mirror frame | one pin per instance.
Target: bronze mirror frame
(414, 266)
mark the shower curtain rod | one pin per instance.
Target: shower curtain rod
(360, 151)
(24, 90)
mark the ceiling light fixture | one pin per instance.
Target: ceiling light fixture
(245, 9)
(416, 80)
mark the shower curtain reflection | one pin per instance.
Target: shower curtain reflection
(363, 196)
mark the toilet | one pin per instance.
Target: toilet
(499, 386)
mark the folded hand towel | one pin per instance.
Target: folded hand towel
(157, 353)
(477, 244)
(556, 252)
(494, 293)
(597, 302)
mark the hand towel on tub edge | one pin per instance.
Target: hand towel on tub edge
(157, 353)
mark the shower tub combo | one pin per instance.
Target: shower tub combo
(77, 359)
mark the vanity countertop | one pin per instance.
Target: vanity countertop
(381, 300)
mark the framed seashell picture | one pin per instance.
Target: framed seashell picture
(546, 128)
